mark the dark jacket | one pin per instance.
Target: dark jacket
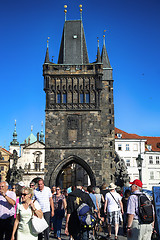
(75, 199)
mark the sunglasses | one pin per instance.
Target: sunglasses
(32, 185)
(58, 189)
(24, 194)
(13, 188)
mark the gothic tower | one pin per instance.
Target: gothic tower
(79, 125)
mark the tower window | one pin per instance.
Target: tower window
(64, 98)
(58, 98)
(81, 98)
(87, 98)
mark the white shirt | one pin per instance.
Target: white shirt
(111, 203)
(43, 197)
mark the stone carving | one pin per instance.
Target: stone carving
(14, 174)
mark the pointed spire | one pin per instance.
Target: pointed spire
(80, 6)
(14, 142)
(104, 55)
(65, 12)
(42, 134)
(98, 53)
(47, 53)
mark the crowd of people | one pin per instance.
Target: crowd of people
(20, 203)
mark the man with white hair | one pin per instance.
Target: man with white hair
(113, 207)
(7, 211)
(135, 229)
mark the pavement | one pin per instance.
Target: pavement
(103, 235)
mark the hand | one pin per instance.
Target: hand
(66, 231)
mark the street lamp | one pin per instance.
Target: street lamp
(139, 165)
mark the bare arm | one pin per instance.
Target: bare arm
(52, 206)
(66, 227)
(9, 200)
(121, 205)
(64, 203)
(130, 220)
(105, 206)
(15, 226)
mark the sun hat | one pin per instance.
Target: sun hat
(137, 182)
(112, 186)
(21, 184)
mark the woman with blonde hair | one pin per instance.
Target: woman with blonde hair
(25, 210)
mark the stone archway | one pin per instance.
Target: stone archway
(64, 163)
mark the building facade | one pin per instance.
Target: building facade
(129, 146)
(79, 121)
(4, 163)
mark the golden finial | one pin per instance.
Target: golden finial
(65, 11)
(80, 6)
(15, 122)
(31, 128)
(98, 41)
(48, 42)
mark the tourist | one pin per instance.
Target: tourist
(44, 196)
(25, 210)
(136, 229)
(7, 211)
(32, 185)
(59, 212)
(113, 208)
(124, 202)
(74, 200)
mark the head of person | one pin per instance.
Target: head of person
(127, 193)
(14, 188)
(112, 187)
(58, 190)
(104, 186)
(53, 189)
(97, 190)
(32, 185)
(90, 189)
(136, 185)
(26, 193)
(79, 184)
(41, 184)
(3, 186)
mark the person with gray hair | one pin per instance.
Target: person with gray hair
(7, 210)
(135, 229)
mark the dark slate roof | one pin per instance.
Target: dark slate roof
(104, 57)
(47, 56)
(73, 48)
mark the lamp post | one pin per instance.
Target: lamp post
(139, 165)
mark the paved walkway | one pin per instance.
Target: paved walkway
(64, 237)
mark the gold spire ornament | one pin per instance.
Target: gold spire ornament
(65, 11)
(48, 42)
(80, 6)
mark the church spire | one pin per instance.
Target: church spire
(47, 53)
(98, 53)
(104, 55)
(14, 142)
(42, 134)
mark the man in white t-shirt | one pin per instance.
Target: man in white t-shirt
(44, 196)
(113, 208)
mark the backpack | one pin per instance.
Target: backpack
(85, 216)
(145, 209)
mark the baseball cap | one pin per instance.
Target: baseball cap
(137, 182)
(21, 184)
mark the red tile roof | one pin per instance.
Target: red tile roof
(153, 141)
(126, 135)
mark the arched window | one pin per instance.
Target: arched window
(64, 97)
(87, 97)
(81, 98)
(58, 97)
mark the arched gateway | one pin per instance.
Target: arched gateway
(55, 175)
(79, 124)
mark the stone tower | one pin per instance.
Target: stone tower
(79, 125)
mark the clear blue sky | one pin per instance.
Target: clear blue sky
(133, 46)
